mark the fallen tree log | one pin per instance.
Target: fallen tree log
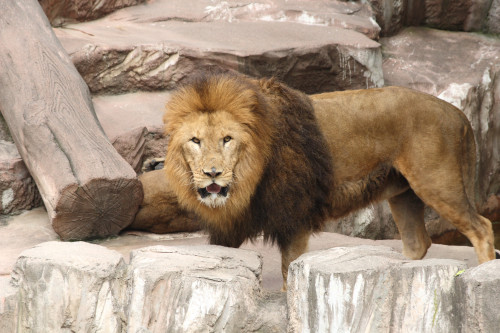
(88, 189)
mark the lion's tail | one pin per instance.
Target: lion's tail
(469, 170)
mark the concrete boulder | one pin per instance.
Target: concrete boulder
(371, 289)
(78, 287)
(82, 287)
(200, 289)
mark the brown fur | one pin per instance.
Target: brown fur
(391, 143)
(410, 148)
(160, 211)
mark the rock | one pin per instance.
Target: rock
(8, 305)
(202, 289)
(60, 12)
(371, 289)
(17, 188)
(374, 222)
(392, 16)
(355, 16)
(78, 287)
(447, 15)
(478, 288)
(131, 147)
(133, 123)
(22, 232)
(491, 208)
(492, 23)
(117, 55)
(4, 131)
(464, 15)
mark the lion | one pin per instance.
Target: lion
(252, 157)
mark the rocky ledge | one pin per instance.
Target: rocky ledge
(84, 287)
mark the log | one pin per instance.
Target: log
(88, 189)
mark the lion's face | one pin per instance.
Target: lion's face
(211, 147)
(219, 146)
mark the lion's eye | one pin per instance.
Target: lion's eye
(227, 139)
(196, 140)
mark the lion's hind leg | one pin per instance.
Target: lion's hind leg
(408, 212)
(475, 227)
(444, 191)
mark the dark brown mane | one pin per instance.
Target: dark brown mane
(295, 191)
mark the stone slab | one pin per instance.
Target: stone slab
(123, 56)
(355, 16)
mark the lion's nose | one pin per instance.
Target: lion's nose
(212, 173)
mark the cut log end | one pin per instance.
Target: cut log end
(100, 208)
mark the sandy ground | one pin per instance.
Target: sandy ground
(32, 227)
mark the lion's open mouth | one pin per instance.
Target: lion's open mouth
(213, 189)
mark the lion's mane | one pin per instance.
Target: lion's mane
(284, 173)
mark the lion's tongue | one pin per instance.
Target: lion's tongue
(213, 188)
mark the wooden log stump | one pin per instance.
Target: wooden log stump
(88, 189)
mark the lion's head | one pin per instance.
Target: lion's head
(219, 144)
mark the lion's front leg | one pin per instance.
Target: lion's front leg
(227, 240)
(291, 251)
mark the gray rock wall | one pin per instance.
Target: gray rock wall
(81, 287)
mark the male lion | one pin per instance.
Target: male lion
(248, 157)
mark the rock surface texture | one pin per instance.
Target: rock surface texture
(85, 287)
(200, 289)
(76, 287)
(8, 305)
(372, 289)
(155, 46)
(61, 12)
(17, 188)
(476, 287)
